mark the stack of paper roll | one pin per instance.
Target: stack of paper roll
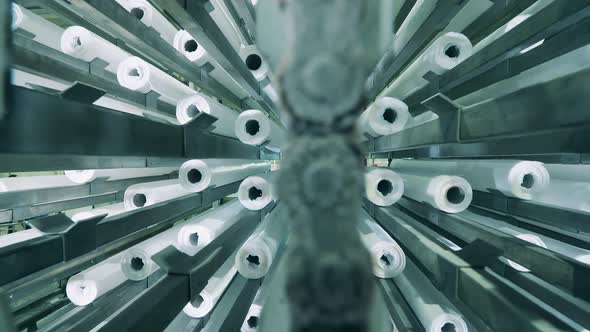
(150, 16)
(34, 182)
(432, 308)
(44, 31)
(383, 187)
(205, 301)
(387, 256)
(138, 75)
(254, 127)
(385, 116)
(112, 174)
(83, 44)
(199, 174)
(86, 286)
(254, 61)
(149, 193)
(256, 192)
(451, 194)
(516, 178)
(255, 257)
(190, 107)
(109, 210)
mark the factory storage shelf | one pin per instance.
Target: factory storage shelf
(244, 13)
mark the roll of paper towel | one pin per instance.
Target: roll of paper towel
(150, 16)
(383, 187)
(112, 174)
(385, 116)
(45, 32)
(149, 193)
(565, 194)
(86, 286)
(451, 194)
(253, 127)
(254, 61)
(83, 44)
(34, 182)
(256, 192)
(190, 107)
(199, 174)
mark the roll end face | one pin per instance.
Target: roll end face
(449, 322)
(450, 49)
(383, 187)
(254, 62)
(252, 127)
(455, 194)
(136, 265)
(255, 193)
(194, 175)
(388, 116)
(253, 260)
(389, 260)
(189, 108)
(528, 178)
(200, 306)
(81, 291)
(193, 238)
(81, 176)
(187, 45)
(252, 319)
(134, 74)
(73, 41)
(17, 16)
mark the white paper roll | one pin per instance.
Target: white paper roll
(256, 192)
(383, 187)
(34, 182)
(86, 286)
(20, 236)
(253, 127)
(570, 172)
(149, 193)
(189, 108)
(198, 232)
(199, 174)
(385, 116)
(451, 194)
(109, 210)
(83, 44)
(207, 299)
(252, 318)
(254, 61)
(444, 54)
(565, 194)
(223, 19)
(387, 256)
(112, 174)
(138, 75)
(432, 308)
(45, 32)
(516, 178)
(255, 257)
(151, 17)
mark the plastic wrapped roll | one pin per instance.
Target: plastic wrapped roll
(388, 257)
(201, 230)
(83, 44)
(149, 193)
(254, 61)
(444, 54)
(385, 116)
(150, 16)
(255, 257)
(207, 299)
(383, 187)
(516, 178)
(109, 210)
(17, 237)
(137, 75)
(112, 174)
(199, 174)
(189, 108)
(253, 127)
(256, 192)
(433, 309)
(86, 286)
(45, 32)
(34, 182)
(451, 194)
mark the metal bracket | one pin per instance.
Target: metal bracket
(82, 93)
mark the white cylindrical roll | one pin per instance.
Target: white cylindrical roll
(387, 256)
(256, 192)
(566, 194)
(201, 230)
(149, 193)
(385, 116)
(515, 178)
(109, 210)
(189, 108)
(151, 17)
(255, 257)
(451, 194)
(138, 75)
(207, 299)
(45, 32)
(86, 286)
(252, 318)
(383, 187)
(254, 61)
(112, 174)
(253, 127)
(199, 174)
(444, 54)
(223, 19)
(34, 182)
(575, 172)
(83, 44)
(20, 236)
(432, 308)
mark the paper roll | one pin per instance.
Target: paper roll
(432, 308)
(83, 44)
(151, 17)
(252, 318)
(383, 187)
(522, 179)
(387, 256)
(109, 210)
(253, 127)
(444, 54)
(138, 75)
(189, 108)
(254, 61)
(451, 194)
(569, 172)
(20, 236)
(34, 182)
(86, 286)
(199, 174)
(149, 193)
(207, 299)
(565, 194)
(256, 192)
(198, 232)
(385, 116)
(45, 32)
(255, 257)
(112, 174)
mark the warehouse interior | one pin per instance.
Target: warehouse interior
(295, 165)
